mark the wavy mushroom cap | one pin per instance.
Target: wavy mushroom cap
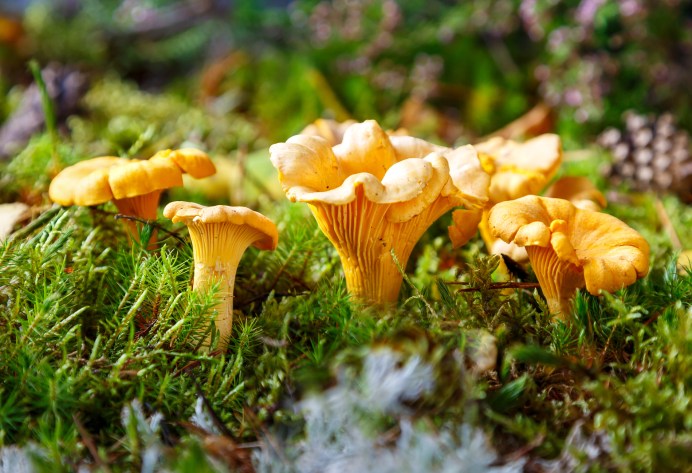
(609, 252)
(99, 180)
(400, 170)
(578, 190)
(519, 169)
(190, 212)
(85, 183)
(331, 130)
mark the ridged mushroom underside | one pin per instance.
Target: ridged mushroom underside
(373, 193)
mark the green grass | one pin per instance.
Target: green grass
(88, 324)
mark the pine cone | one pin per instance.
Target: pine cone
(650, 154)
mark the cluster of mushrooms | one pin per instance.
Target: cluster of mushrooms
(374, 194)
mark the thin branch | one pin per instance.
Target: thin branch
(153, 223)
(497, 285)
(88, 442)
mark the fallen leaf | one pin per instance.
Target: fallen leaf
(10, 215)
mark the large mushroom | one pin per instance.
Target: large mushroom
(571, 248)
(373, 194)
(133, 185)
(516, 169)
(220, 235)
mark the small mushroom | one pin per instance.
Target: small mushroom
(374, 193)
(571, 248)
(578, 190)
(133, 185)
(220, 235)
(516, 169)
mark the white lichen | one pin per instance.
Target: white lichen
(14, 459)
(348, 428)
(148, 431)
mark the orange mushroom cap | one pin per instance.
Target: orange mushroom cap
(99, 180)
(595, 250)
(133, 185)
(519, 169)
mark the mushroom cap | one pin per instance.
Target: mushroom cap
(330, 130)
(610, 253)
(192, 161)
(190, 212)
(85, 183)
(464, 225)
(400, 170)
(98, 180)
(520, 169)
(579, 190)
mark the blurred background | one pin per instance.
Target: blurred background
(128, 77)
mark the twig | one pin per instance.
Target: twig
(88, 442)
(153, 223)
(259, 297)
(498, 285)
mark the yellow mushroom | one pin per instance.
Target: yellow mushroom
(133, 185)
(578, 190)
(220, 235)
(374, 193)
(516, 169)
(571, 248)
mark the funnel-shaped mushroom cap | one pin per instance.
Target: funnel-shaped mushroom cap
(519, 169)
(592, 249)
(578, 190)
(190, 212)
(390, 169)
(374, 192)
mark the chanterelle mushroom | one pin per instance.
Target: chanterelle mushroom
(220, 235)
(516, 169)
(571, 248)
(579, 190)
(374, 193)
(133, 185)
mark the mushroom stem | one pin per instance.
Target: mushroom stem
(217, 249)
(143, 206)
(364, 244)
(559, 279)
